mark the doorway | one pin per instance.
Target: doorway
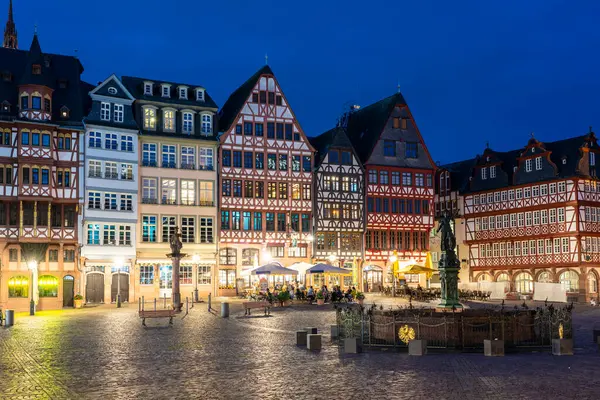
(94, 288)
(373, 278)
(68, 290)
(123, 286)
(166, 281)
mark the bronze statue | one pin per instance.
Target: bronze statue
(448, 241)
(175, 243)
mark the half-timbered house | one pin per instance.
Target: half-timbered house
(266, 166)
(338, 201)
(399, 187)
(111, 185)
(531, 215)
(177, 179)
(42, 104)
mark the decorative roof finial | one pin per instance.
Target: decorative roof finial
(266, 59)
(398, 87)
(35, 29)
(487, 144)
(591, 131)
(532, 136)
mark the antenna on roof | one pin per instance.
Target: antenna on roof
(398, 87)
(35, 29)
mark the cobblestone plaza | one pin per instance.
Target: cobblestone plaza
(105, 353)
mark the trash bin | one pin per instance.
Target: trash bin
(224, 310)
(9, 318)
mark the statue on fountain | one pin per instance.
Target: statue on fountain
(448, 264)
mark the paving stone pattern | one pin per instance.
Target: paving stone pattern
(105, 353)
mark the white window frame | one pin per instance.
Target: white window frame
(206, 190)
(169, 120)
(188, 157)
(206, 228)
(592, 159)
(528, 165)
(206, 121)
(187, 125)
(149, 118)
(538, 163)
(149, 189)
(188, 229)
(199, 94)
(104, 111)
(165, 90)
(183, 93)
(119, 112)
(484, 173)
(148, 88)
(492, 171)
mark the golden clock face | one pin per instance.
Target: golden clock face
(406, 334)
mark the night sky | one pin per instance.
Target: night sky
(471, 71)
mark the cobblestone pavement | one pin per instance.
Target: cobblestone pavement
(105, 353)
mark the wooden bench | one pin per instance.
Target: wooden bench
(157, 314)
(257, 304)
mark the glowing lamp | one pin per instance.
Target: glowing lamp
(32, 265)
(393, 259)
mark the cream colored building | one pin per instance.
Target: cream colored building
(178, 178)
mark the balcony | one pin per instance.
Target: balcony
(95, 174)
(149, 164)
(111, 175)
(206, 168)
(146, 200)
(187, 166)
(169, 165)
(170, 202)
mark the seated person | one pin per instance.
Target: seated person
(311, 294)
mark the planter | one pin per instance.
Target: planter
(562, 347)
(493, 348)
(417, 347)
(226, 292)
(320, 302)
(77, 303)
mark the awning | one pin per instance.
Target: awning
(274, 268)
(372, 268)
(416, 269)
(328, 269)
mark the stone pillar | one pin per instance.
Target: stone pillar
(176, 294)
(449, 267)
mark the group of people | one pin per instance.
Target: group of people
(299, 292)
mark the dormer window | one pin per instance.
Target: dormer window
(148, 88)
(183, 93)
(64, 112)
(188, 123)
(105, 111)
(112, 90)
(36, 69)
(592, 159)
(166, 91)
(6, 107)
(538, 163)
(199, 94)
(487, 159)
(528, 165)
(484, 173)
(492, 171)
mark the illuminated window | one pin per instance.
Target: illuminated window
(185, 274)
(48, 286)
(228, 256)
(149, 118)
(18, 286)
(169, 120)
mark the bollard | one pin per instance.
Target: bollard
(193, 300)
(155, 304)
(195, 296)
(139, 304)
(165, 306)
(209, 302)
(186, 306)
(9, 318)
(224, 310)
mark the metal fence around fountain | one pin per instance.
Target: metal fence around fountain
(520, 328)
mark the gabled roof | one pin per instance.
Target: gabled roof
(135, 86)
(366, 124)
(236, 100)
(118, 82)
(333, 138)
(460, 172)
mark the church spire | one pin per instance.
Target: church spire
(10, 32)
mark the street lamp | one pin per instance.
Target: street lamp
(119, 264)
(196, 260)
(32, 266)
(267, 256)
(332, 258)
(394, 261)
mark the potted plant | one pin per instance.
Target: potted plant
(320, 298)
(360, 298)
(78, 301)
(284, 298)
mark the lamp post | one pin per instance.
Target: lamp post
(196, 260)
(119, 263)
(394, 261)
(32, 266)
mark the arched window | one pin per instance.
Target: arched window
(544, 277)
(503, 277)
(48, 286)
(524, 283)
(228, 256)
(569, 281)
(592, 283)
(18, 286)
(206, 124)
(484, 278)
(248, 256)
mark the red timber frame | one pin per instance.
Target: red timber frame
(413, 226)
(234, 140)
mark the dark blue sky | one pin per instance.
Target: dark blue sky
(471, 71)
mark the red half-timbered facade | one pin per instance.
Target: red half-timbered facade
(42, 101)
(265, 195)
(531, 215)
(399, 187)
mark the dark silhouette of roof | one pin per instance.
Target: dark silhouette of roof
(236, 100)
